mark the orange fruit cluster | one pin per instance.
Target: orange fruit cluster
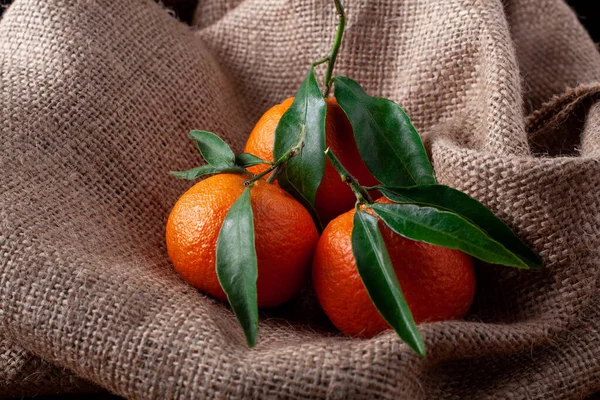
(438, 283)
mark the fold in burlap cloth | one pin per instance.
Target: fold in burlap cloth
(96, 98)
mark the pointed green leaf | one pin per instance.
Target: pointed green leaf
(245, 160)
(214, 150)
(237, 268)
(378, 275)
(470, 209)
(291, 189)
(203, 170)
(386, 138)
(305, 170)
(446, 229)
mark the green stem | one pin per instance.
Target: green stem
(336, 45)
(259, 176)
(360, 192)
(376, 187)
(322, 61)
(277, 166)
(276, 172)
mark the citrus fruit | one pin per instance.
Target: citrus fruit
(285, 237)
(438, 283)
(333, 196)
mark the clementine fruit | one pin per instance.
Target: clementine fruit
(333, 196)
(285, 237)
(438, 283)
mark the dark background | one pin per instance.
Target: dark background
(588, 12)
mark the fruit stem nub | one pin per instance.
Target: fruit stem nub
(336, 46)
(360, 192)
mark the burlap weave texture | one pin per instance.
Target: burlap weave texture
(96, 98)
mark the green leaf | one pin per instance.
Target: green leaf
(305, 170)
(203, 170)
(386, 138)
(470, 209)
(291, 189)
(237, 267)
(378, 275)
(446, 229)
(214, 150)
(247, 160)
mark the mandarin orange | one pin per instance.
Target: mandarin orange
(285, 237)
(333, 196)
(438, 283)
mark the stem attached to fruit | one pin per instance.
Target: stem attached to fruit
(371, 188)
(276, 172)
(278, 165)
(336, 45)
(360, 192)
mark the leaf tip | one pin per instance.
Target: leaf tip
(192, 133)
(250, 339)
(416, 344)
(420, 349)
(177, 174)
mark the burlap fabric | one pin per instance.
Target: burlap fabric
(96, 98)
